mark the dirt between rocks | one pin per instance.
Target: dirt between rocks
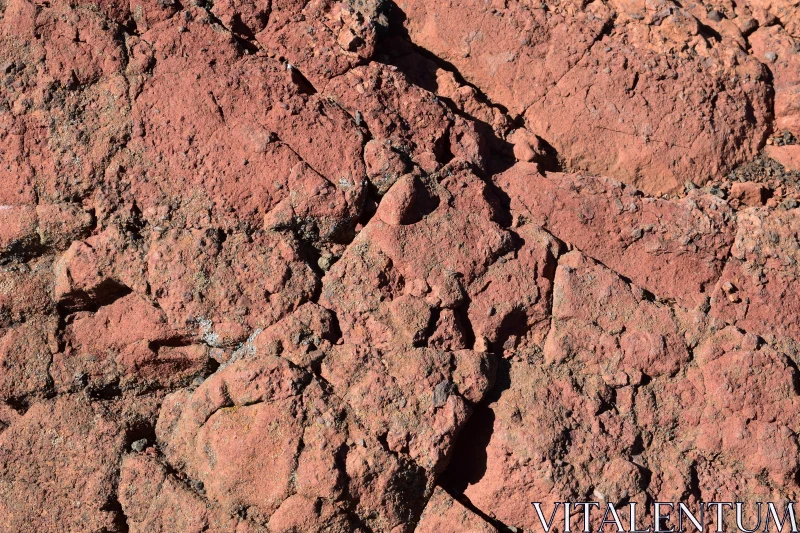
(373, 266)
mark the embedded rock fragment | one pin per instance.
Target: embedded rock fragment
(26, 353)
(208, 120)
(26, 292)
(322, 39)
(408, 123)
(222, 287)
(28, 232)
(154, 500)
(128, 343)
(19, 229)
(302, 337)
(29, 333)
(598, 318)
(489, 49)
(780, 52)
(773, 12)
(98, 270)
(749, 194)
(65, 100)
(510, 304)
(788, 156)
(416, 399)
(655, 123)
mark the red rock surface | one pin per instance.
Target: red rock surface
(643, 400)
(365, 266)
(675, 249)
(758, 290)
(779, 50)
(443, 513)
(643, 92)
(788, 156)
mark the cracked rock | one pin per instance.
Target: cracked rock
(365, 266)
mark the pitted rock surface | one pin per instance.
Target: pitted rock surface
(394, 266)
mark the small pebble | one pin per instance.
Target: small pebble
(771, 57)
(728, 287)
(139, 445)
(441, 392)
(325, 261)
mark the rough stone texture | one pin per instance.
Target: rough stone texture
(384, 291)
(788, 156)
(758, 290)
(640, 91)
(359, 444)
(510, 304)
(780, 51)
(612, 408)
(674, 249)
(366, 266)
(26, 353)
(156, 500)
(749, 193)
(443, 513)
(224, 286)
(125, 344)
(71, 447)
(416, 399)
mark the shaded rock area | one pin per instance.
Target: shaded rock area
(374, 266)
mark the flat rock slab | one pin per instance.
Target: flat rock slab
(788, 156)
(674, 249)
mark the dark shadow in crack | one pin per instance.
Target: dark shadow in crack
(551, 161)
(389, 45)
(105, 293)
(514, 324)
(468, 463)
(119, 520)
(396, 48)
